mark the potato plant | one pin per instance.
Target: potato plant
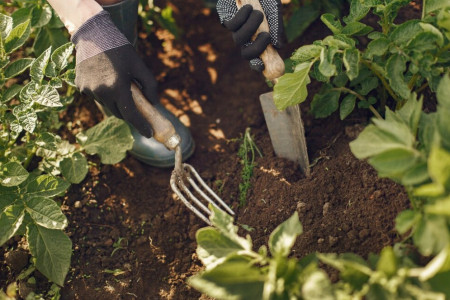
(409, 146)
(36, 164)
(399, 59)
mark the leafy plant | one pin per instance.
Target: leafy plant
(151, 13)
(400, 59)
(45, 25)
(234, 271)
(247, 155)
(304, 13)
(412, 147)
(36, 164)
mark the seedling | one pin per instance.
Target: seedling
(246, 153)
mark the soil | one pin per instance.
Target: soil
(133, 239)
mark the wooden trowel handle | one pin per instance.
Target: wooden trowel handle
(163, 130)
(274, 64)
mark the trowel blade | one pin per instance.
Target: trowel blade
(286, 132)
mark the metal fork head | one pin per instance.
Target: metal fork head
(200, 196)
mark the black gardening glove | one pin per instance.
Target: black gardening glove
(107, 64)
(244, 23)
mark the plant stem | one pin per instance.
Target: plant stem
(423, 87)
(382, 79)
(360, 97)
(413, 81)
(424, 4)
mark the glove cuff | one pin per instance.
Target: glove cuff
(98, 34)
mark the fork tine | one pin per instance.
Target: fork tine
(177, 191)
(206, 187)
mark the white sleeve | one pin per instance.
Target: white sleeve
(74, 13)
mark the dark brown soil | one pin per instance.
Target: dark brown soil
(132, 239)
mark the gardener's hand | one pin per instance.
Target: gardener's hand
(244, 23)
(107, 64)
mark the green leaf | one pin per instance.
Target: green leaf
(74, 168)
(353, 269)
(38, 67)
(46, 186)
(378, 47)
(45, 95)
(110, 139)
(26, 117)
(431, 235)
(406, 220)
(17, 37)
(433, 5)
(347, 106)
(332, 23)
(10, 220)
(357, 11)
(326, 66)
(61, 55)
(440, 207)
(395, 67)
(373, 141)
(17, 67)
(291, 87)
(405, 32)
(318, 286)
(52, 250)
(283, 237)
(416, 175)
(46, 213)
(410, 113)
(22, 15)
(306, 53)
(49, 141)
(11, 92)
(439, 166)
(6, 25)
(231, 280)
(393, 163)
(49, 37)
(301, 18)
(440, 282)
(387, 262)
(356, 28)
(214, 247)
(339, 41)
(41, 15)
(69, 77)
(443, 91)
(325, 103)
(424, 41)
(13, 174)
(351, 62)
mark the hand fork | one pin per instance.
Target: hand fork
(183, 174)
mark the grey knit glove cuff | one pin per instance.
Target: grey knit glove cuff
(97, 35)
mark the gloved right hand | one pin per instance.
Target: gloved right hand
(107, 64)
(245, 21)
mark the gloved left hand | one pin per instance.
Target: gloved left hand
(245, 21)
(107, 64)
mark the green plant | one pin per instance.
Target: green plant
(413, 148)
(247, 155)
(36, 164)
(304, 13)
(46, 27)
(151, 13)
(399, 60)
(234, 271)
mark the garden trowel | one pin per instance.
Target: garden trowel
(285, 127)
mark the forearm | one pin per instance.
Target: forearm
(74, 13)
